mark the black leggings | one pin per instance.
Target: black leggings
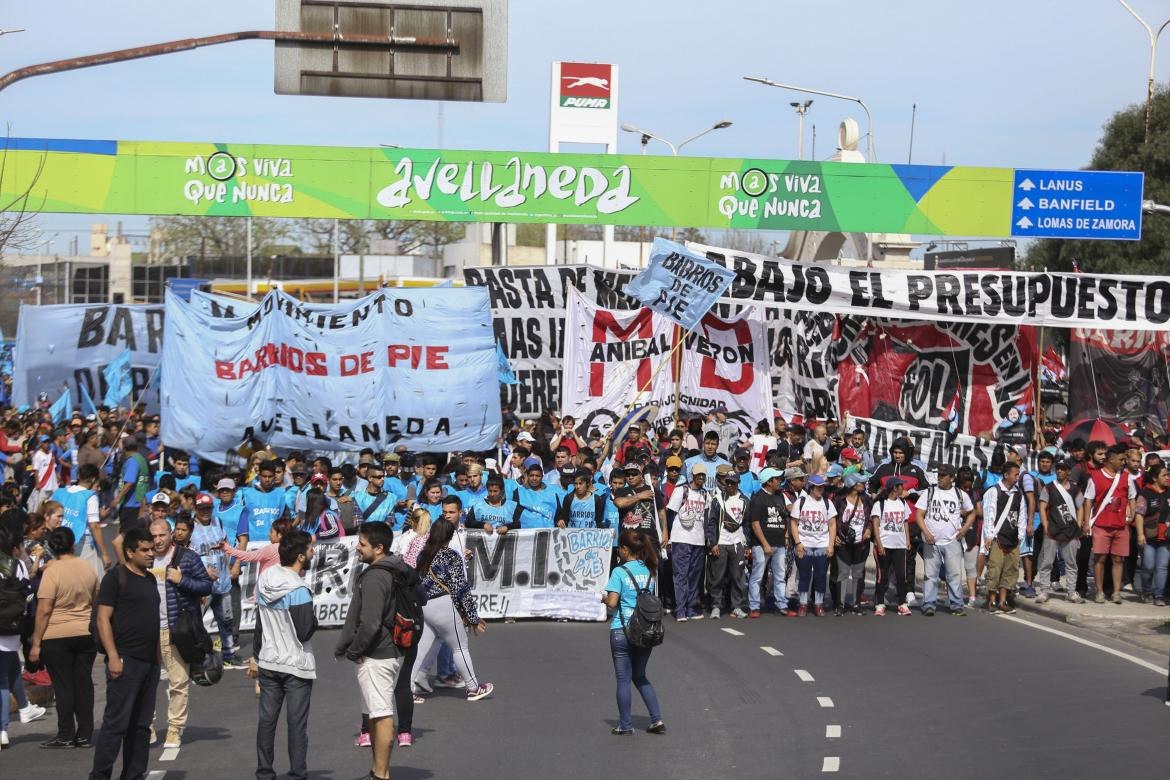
(893, 561)
(70, 664)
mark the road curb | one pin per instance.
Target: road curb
(1131, 629)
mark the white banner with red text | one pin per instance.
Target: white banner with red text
(616, 358)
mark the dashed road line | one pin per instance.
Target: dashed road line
(803, 675)
(832, 732)
(831, 764)
(771, 650)
(157, 774)
(1125, 656)
(169, 754)
(824, 701)
(732, 631)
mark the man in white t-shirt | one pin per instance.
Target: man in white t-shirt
(44, 473)
(726, 541)
(687, 511)
(944, 515)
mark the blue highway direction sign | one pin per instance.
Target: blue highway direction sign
(1077, 204)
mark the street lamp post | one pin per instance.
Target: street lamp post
(857, 100)
(801, 109)
(1153, 55)
(674, 148)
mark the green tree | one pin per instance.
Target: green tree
(692, 234)
(218, 236)
(1122, 148)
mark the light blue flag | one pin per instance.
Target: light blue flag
(679, 284)
(88, 407)
(118, 382)
(62, 407)
(632, 418)
(507, 375)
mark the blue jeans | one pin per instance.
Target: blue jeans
(813, 566)
(1155, 560)
(446, 665)
(756, 580)
(629, 664)
(221, 609)
(949, 555)
(9, 676)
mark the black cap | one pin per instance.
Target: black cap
(1064, 465)
(947, 470)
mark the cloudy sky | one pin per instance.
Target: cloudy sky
(1024, 83)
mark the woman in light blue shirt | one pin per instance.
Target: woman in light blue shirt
(639, 563)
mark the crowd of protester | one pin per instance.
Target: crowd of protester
(117, 537)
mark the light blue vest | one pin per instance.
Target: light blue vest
(74, 503)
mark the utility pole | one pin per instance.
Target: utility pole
(248, 262)
(1153, 56)
(336, 260)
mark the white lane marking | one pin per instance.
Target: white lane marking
(831, 764)
(832, 732)
(732, 631)
(824, 701)
(1161, 670)
(169, 754)
(157, 774)
(771, 651)
(803, 675)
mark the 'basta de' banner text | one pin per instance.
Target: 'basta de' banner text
(399, 367)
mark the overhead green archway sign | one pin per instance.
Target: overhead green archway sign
(213, 179)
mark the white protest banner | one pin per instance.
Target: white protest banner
(679, 284)
(986, 297)
(414, 367)
(547, 572)
(930, 446)
(70, 344)
(611, 355)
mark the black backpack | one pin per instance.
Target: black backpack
(14, 593)
(644, 628)
(404, 619)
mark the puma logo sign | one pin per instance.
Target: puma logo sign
(586, 81)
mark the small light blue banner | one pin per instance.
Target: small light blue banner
(680, 284)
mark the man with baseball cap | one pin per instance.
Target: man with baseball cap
(687, 511)
(538, 501)
(208, 536)
(944, 515)
(768, 536)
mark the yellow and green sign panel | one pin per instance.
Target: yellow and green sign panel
(140, 177)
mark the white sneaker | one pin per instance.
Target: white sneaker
(31, 712)
(715, 613)
(738, 613)
(3, 738)
(910, 598)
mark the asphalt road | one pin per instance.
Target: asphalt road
(862, 696)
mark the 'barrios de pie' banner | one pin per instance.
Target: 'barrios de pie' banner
(542, 573)
(412, 367)
(68, 345)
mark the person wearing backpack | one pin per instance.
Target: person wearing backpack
(1110, 498)
(1005, 523)
(1060, 509)
(208, 537)
(15, 592)
(282, 658)
(634, 578)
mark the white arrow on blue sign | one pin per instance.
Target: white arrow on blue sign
(1077, 204)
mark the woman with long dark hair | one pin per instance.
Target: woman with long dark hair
(61, 638)
(321, 521)
(639, 563)
(1152, 521)
(891, 536)
(450, 606)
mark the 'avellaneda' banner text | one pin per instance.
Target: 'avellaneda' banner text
(219, 179)
(414, 367)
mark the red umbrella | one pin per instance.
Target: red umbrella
(1088, 430)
